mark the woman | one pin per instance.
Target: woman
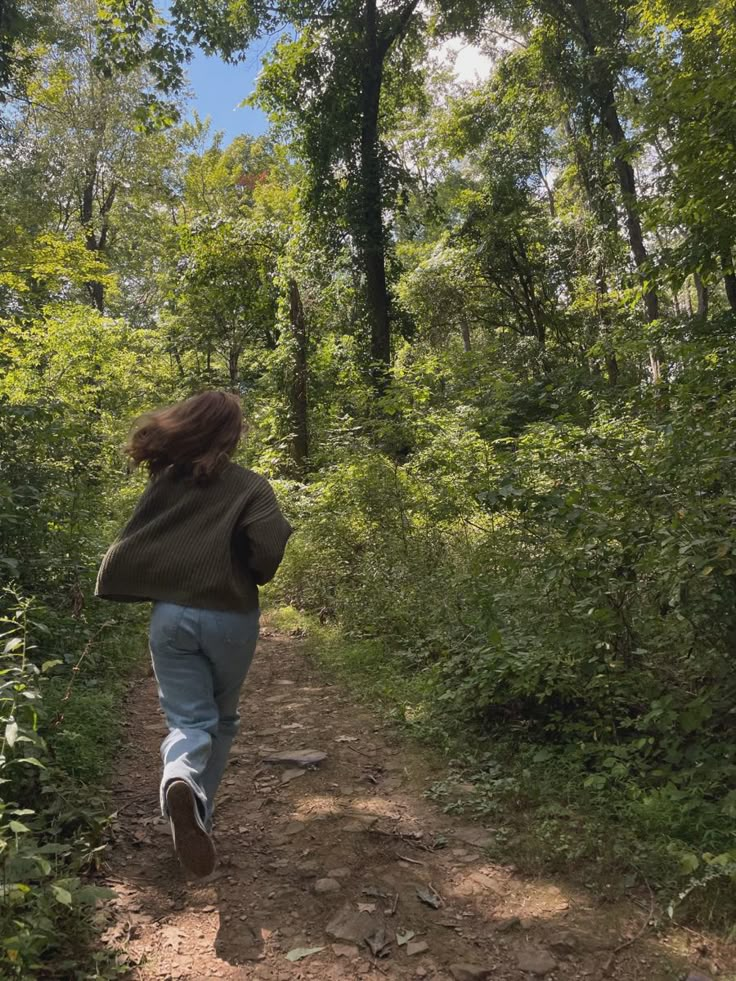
(204, 535)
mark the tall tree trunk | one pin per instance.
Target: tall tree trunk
(94, 242)
(729, 278)
(701, 292)
(603, 86)
(601, 288)
(86, 210)
(372, 233)
(298, 391)
(465, 331)
(627, 185)
(233, 365)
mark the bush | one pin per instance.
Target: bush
(51, 831)
(567, 594)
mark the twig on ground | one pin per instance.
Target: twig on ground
(639, 934)
(133, 800)
(413, 861)
(365, 756)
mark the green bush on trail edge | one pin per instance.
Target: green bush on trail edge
(52, 819)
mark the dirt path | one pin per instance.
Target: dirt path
(336, 857)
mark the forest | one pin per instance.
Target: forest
(484, 333)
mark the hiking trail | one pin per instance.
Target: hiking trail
(350, 857)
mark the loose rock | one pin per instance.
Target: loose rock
(324, 886)
(288, 775)
(344, 950)
(535, 961)
(474, 836)
(564, 944)
(350, 926)
(469, 972)
(417, 947)
(503, 926)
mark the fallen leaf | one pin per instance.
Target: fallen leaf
(379, 943)
(404, 938)
(298, 953)
(366, 907)
(375, 891)
(432, 898)
(346, 739)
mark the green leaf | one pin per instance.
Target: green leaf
(12, 645)
(299, 952)
(91, 894)
(18, 828)
(48, 665)
(62, 895)
(689, 862)
(11, 733)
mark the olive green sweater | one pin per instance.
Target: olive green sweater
(208, 545)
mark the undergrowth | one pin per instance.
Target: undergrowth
(62, 684)
(547, 815)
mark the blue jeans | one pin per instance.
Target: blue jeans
(200, 658)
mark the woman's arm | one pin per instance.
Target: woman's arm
(264, 532)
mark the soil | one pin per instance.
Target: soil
(347, 858)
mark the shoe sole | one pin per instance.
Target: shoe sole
(192, 844)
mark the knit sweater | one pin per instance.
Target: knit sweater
(208, 545)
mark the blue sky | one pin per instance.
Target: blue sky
(218, 88)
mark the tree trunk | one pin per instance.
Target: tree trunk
(627, 184)
(94, 242)
(298, 393)
(729, 278)
(465, 330)
(371, 230)
(601, 288)
(612, 368)
(701, 291)
(233, 365)
(603, 86)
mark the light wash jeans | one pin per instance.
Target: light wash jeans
(200, 658)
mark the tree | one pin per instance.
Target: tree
(688, 59)
(77, 129)
(331, 98)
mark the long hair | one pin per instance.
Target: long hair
(195, 437)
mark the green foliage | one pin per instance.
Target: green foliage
(522, 537)
(567, 593)
(51, 834)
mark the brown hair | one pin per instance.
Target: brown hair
(197, 436)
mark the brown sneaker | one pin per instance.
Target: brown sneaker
(192, 844)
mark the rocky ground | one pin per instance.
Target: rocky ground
(334, 866)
